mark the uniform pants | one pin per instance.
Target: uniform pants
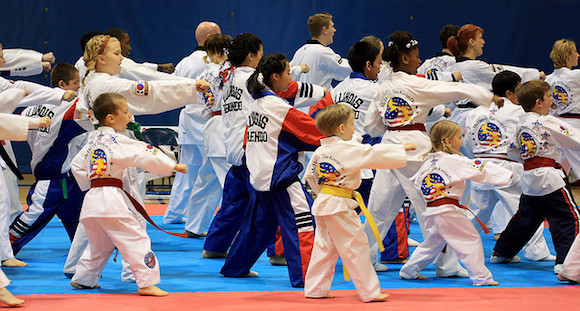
(192, 156)
(562, 214)
(454, 229)
(288, 208)
(571, 268)
(130, 237)
(341, 235)
(226, 223)
(396, 242)
(206, 194)
(5, 246)
(387, 196)
(483, 202)
(46, 199)
(12, 182)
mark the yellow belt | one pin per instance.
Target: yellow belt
(346, 193)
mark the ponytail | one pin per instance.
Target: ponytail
(269, 65)
(458, 44)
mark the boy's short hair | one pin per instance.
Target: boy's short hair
(531, 91)
(505, 81)
(62, 71)
(361, 53)
(105, 104)
(316, 22)
(328, 120)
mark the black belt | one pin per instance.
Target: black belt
(9, 162)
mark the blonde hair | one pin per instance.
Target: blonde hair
(560, 52)
(329, 119)
(316, 22)
(441, 131)
(376, 42)
(95, 47)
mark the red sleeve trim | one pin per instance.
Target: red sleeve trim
(291, 92)
(302, 126)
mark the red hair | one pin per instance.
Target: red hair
(458, 44)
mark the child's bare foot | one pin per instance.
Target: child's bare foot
(13, 262)
(327, 296)
(420, 277)
(80, 286)
(565, 279)
(380, 297)
(9, 299)
(152, 291)
(493, 283)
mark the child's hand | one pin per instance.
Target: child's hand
(201, 85)
(304, 68)
(44, 122)
(447, 112)
(182, 168)
(457, 76)
(169, 68)
(409, 146)
(46, 66)
(26, 92)
(69, 95)
(49, 58)
(542, 75)
(498, 101)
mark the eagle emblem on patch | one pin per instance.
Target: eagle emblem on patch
(142, 88)
(150, 260)
(150, 149)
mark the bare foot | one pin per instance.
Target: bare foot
(9, 299)
(80, 286)
(152, 291)
(565, 279)
(420, 277)
(493, 283)
(327, 296)
(13, 262)
(380, 297)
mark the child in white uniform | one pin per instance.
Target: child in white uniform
(441, 181)
(106, 167)
(333, 173)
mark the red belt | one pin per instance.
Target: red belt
(410, 127)
(114, 182)
(537, 162)
(216, 113)
(443, 201)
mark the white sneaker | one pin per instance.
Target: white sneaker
(379, 267)
(499, 259)
(558, 268)
(412, 243)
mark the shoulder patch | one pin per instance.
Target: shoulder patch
(150, 149)
(478, 165)
(564, 130)
(142, 88)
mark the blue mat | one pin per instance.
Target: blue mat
(184, 270)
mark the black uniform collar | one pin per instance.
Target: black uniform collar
(199, 48)
(460, 59)
(442, 54)
(313, 42)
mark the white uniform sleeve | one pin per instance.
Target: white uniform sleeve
(295, 71)
(21, 62)
(437, 113)
(306, 95)
(39, 94)
(13, 127)
(134, 71)
(149, 97)
(139, 154)
(337, 67)
(80, 169)
(479, 171)
(373, 123)
(438, 92)
(527, 74)
(561, 133)
(379, 156)
(151, 66)
(10, 99)
(440, 75)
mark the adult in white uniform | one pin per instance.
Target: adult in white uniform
(190, 133)
(22, 62)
